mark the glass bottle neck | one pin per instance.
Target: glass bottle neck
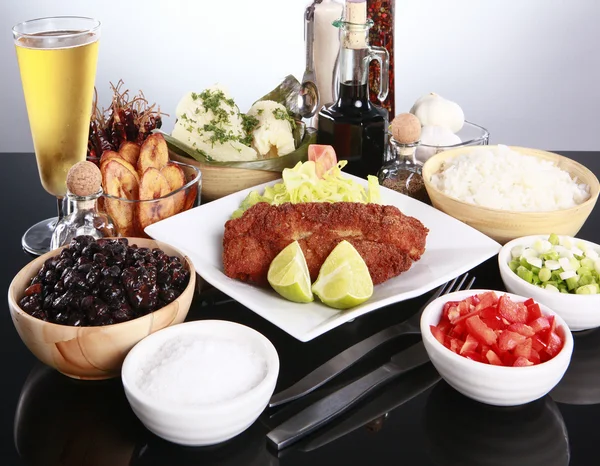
(354, 66)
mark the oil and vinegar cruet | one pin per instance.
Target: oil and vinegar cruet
(353, 125)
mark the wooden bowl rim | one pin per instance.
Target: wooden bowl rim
(594, 184)
(39, 261)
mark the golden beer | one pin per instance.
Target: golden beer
(58, 71)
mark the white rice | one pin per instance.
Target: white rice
(501, 178)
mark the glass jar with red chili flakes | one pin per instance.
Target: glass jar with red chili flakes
(382, 35)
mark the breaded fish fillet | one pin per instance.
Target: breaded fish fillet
(387, 240)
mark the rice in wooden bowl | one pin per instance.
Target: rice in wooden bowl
(500, 223)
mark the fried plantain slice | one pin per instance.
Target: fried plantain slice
(130, 152)
(109, 155)
(154, 153)
(176, 179)
(120, 181)
(154, 186)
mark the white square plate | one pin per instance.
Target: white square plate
(452, 249)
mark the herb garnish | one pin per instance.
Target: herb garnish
(282, 114)
(212, 101)
(249, 123)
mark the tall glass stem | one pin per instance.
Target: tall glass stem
(60, 207)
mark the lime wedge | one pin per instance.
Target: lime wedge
(288, 274)
(344, 280)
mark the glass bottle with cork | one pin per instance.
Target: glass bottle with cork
(403, 173)
(83, 191)
(353, 125)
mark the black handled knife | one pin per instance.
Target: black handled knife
(337, 403)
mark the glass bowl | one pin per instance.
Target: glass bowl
(470, 135)
(131, 217)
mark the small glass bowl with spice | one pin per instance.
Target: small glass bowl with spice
(402, 172)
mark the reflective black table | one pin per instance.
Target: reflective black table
(48, 419)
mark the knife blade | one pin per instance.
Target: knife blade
(341, 362)
(337, 403)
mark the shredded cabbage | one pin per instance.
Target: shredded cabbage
(301, 184)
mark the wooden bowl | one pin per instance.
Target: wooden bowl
(218, 182)
(92, 352)
(504, 225)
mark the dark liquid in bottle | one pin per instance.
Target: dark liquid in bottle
(355, 128)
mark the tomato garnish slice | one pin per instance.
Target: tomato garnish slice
(509, 340)
(438, 333)
(523, 329)
(540, 325)
(493, 358)
(481, 331)
(522, 362)
(533, 312)
(523, 350)
(470, 344)
(555, 344)
(511, 311)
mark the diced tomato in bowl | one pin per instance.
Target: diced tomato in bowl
(504, 350)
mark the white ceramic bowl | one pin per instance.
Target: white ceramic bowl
(207, 424)
(494, 385)
(580, 312)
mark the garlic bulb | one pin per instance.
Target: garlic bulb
(433, 140)
(434, 110)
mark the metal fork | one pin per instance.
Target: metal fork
(355, 353)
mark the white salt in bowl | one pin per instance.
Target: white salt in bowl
(163, 409)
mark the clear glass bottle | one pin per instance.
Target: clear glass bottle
(403, 173)
(353, 125)
(83, 219)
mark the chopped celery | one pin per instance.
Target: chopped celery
(544, 274)
(513, 265)
(525, 274)
(572, 283)
(587, 280)
(587, 263)
(550, 256)
(558, 264)
(583, 271)
(587, 289)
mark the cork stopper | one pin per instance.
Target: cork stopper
(84, 179)
(406, 128)
(356, 14)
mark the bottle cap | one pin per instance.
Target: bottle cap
(84, 179)
(406, 128)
